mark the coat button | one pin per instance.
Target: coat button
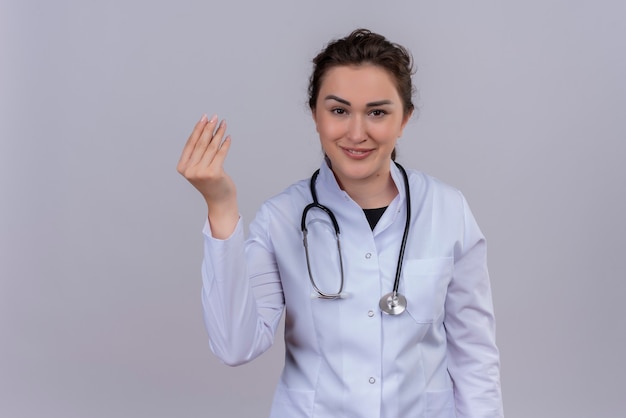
(370, 313)
(368, 255)
(372, 380)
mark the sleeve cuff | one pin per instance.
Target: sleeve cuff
(208, 234)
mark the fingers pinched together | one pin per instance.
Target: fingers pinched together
(202, 160)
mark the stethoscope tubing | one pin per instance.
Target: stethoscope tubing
(405, 235)
(392, 303)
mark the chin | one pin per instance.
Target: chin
(351, 173)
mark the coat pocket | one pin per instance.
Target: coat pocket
(425, 283)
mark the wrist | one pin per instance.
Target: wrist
(223, 218)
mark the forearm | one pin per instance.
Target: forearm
(473, 357)
(238, 330)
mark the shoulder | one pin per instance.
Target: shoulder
(427, 186)
(279, 216)
(286, 206)
(442, 201)
(295, 193)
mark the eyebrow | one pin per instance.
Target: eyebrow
(347, 103)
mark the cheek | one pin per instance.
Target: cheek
(384, 132)
(330, 130)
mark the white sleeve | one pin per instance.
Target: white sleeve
(473, 358)
(242, 294)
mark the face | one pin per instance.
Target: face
(359, 117)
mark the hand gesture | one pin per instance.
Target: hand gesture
(202, 164)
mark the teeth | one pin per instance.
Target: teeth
(351, 151)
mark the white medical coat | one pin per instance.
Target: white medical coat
(345, 358)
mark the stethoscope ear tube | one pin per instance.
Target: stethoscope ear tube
(323, 208)
(317, 205)
(320, 293)
(331, 215)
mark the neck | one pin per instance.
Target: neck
(371, 193)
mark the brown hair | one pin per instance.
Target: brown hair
(365, 47)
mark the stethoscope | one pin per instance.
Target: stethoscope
(393, 303)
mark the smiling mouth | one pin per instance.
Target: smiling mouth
(356, 151)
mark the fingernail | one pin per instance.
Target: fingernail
(203, 118)
(213, 119)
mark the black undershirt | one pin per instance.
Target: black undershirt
(374, 215)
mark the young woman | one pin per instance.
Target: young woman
(388, 303)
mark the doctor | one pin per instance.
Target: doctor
(428, 350)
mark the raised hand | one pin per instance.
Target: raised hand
(202, 164)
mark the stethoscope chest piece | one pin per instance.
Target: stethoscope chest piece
(393, 303)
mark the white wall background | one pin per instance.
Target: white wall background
(522, 107)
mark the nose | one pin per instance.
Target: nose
(356, 129)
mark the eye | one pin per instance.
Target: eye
(338, 111)
(378, 113)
